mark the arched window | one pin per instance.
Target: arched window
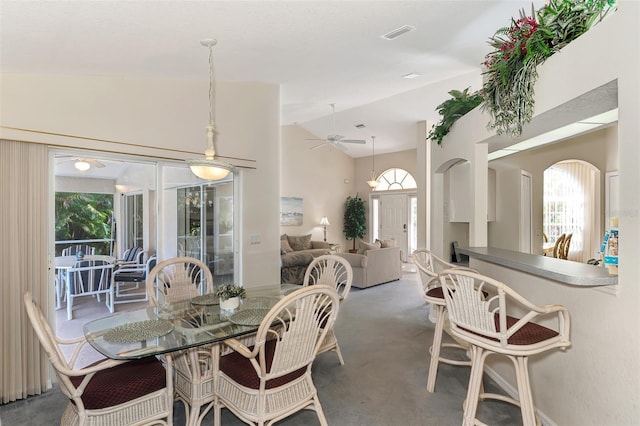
(569, 206)
(395, 179)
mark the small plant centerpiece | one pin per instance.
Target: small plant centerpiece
(230, 295)
(355, 219)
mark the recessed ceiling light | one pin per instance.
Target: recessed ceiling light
(412, 75)
(397, 32)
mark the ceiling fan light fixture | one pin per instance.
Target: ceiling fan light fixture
(82, 165)
(208, 168)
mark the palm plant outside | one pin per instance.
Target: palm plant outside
(83, 216)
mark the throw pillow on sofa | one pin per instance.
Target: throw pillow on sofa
(300, 243)
(284, 246)
(386, 243)
(364, 247)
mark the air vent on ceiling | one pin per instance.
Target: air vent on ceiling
(360, 126)
(398, 32)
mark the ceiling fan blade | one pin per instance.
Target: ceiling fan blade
(319, 146)
(352, 141)
(93, 162)
(340, 146)
(315, 139)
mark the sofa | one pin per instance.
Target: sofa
(296, 253)
(375, 265)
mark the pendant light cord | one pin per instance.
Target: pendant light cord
(373, 154)
(212, 87)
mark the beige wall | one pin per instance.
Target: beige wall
(322, 177)
(165, 119)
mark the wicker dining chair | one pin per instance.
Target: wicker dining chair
(336, 272)
(557, 247)
(271, 380)
(490, 325)
(564, 253)
(109, 392)
(429, 265)
(177, 280)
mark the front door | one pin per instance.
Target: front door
(394, 219)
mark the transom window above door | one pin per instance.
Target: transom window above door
(395, 178)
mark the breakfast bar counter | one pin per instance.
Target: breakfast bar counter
(563, 271)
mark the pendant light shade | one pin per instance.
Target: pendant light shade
(208, 168)
(373, 181)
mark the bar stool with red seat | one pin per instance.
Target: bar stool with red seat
(429, 265)
(486, 324)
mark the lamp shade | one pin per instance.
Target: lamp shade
(324, 221)
(208, 169)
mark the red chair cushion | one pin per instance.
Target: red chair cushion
(528, 334)
(436, 293)
(122, 383)
(240, 370)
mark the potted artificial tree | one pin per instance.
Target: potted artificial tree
(355, 220)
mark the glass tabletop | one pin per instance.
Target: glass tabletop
(157, 330)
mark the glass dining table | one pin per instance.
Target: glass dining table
(156, 330)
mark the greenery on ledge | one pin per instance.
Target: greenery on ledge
(511, 74)
(451, 110)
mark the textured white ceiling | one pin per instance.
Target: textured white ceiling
(320, 52)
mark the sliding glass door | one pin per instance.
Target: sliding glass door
(205, 227)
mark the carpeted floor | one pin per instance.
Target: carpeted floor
(384, 334)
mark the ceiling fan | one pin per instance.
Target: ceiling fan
(335, 139)
(83, 164)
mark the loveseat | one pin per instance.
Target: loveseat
(374, 265)
(296, 253)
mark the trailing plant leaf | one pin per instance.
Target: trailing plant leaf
(511, 74)
(451, 110)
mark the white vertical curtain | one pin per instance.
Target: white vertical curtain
(24, 367)
(578, 191)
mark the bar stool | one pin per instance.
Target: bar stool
(428, 266)
(484, 323)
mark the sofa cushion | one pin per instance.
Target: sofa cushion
(300, 242)
(284, 246)
(364, 247)
(386, 243)
(319, 245)
(296, 259)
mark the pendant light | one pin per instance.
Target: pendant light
(209, 168)
(373, 181)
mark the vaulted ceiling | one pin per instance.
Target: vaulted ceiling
(319, 52)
